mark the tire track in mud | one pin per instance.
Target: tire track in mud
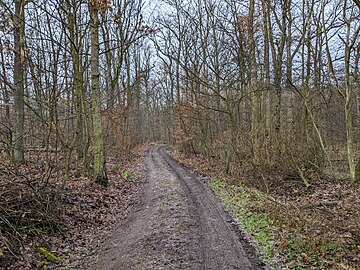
(221, 239)
(177, 224)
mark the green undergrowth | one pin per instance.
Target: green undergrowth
(48, 259)
(129, 177)
(240, 201)
(284, 236)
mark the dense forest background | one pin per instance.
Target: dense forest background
(268, 83)
(255, 87)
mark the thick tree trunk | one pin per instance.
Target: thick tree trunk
(99, 173)
(78, 79)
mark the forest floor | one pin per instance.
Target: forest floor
(158, 214)
(176, 224)
(290, 225)
(44, 226)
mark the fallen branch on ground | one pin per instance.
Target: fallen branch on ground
(319, 204)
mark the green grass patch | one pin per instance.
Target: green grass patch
(241, 201)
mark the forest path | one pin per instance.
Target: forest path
(177, 224)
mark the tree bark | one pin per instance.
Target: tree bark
(99, 173)
(347, 100)
(254, 92)
(19, 74)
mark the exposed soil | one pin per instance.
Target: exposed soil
(177, 224)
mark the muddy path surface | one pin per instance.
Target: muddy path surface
(177, 224)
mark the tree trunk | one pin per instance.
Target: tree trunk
(255, 95)
(357, 171)
(99, 173)
(78, 79)
(347, 105)
(289, 68)
(19, 73)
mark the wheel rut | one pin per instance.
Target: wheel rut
(177, 224)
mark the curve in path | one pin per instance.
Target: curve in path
(177, 224)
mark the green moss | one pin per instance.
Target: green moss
(48, 255)
(67, 250)
(125, 174)
(129, 177)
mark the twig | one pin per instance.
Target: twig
(319, 204)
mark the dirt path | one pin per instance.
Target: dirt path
(177, 225)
